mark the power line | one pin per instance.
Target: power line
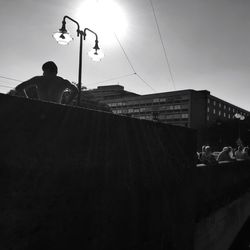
(125, 54)
(145, 82)
(5, 86)
(8, 78)
(112, 79)
(130, 63)
(163, 46)
(5, 83)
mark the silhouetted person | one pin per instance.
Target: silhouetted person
(224, 155)
(207, 157)
(245, 153)
(49, 86)
(202, 153)
(239, 153)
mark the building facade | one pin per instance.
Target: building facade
(188, 108)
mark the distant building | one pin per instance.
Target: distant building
(110, 92)
(188, 108)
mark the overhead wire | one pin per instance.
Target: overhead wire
(163, 46)
(124, 52)
(145, 82)
(6, 82)
(131, 65)
(5, 86)
(8, 78)
(114, 78)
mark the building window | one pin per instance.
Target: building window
(207, 117)
(208, 109)
(142, 109)
(224, 106)
(148, 117)
(177, 106)
(184, 116)
(214, 111)
(229, 108)
(176, 116)
(214, 103)
(120, 104)
(112, 104)
(219, 105)
(118, 111)
(219, 113)
(229, 116)
(184, 106)
(224, 114)
(208, 100)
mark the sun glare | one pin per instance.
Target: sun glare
(105, 17)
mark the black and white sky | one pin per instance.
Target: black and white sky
(207, 44)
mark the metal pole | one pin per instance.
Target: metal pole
(80, 72)
(239, 127)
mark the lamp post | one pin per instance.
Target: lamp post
(63, 38)
(239, 117)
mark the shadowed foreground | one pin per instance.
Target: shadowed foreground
(73, 178)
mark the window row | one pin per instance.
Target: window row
(150, 109)
(149, 101)
(162, 117)
(224, 113)
(224, 106)
(174, 116)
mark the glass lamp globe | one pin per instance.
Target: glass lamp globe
(96, 55)
(62, 37)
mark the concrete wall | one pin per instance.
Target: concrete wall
(217, 186)
(222, 204)
(217, 231)
(73, 178)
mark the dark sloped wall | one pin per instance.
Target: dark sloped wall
(73, 178)
(220, 185)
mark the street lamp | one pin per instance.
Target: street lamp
(239, 117)
(63, 38)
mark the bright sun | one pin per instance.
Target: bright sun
(105, 17)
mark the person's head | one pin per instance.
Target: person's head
(231, 151)
(208, 149)
(226, 149)
(49, 68)
(246, 150)
(240, 147)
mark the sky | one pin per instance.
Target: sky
(169, 44)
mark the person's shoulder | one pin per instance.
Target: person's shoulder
(66, 82)
(61, 79)
(34, 78)
(37, 79)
